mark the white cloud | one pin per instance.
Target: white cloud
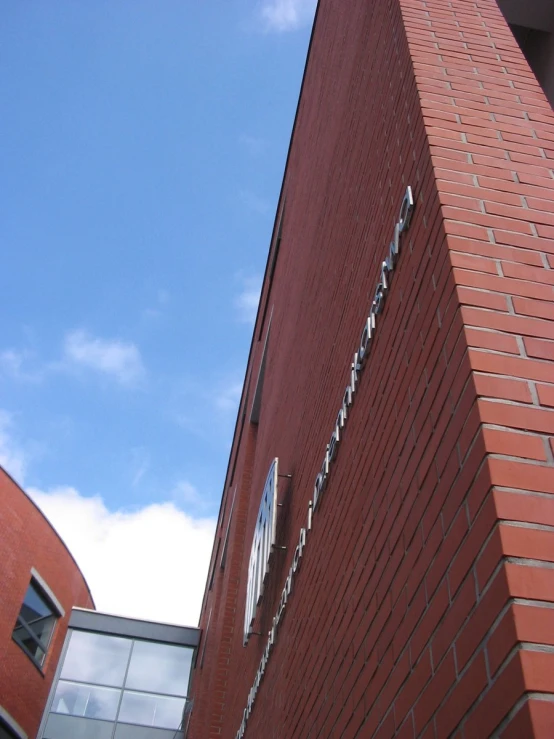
(11, 361)
(148, 563)
(163, 297)
(254, 145)
(228, 396)
(151, 313)
(254, 202)
(188, 496)
(247, 300)
(287, 15)
(15, 364)
(140, 464)
(12, 458)
(119, 359)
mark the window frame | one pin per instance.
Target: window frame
(123, 689)
(10, 726)
(44, 593)
(91, 687)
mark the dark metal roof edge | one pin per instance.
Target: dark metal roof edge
(134, 628)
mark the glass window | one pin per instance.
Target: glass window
(72, 727)
(133, 731)
(159, 668)
(96, 658)
(5, 732)
(35, 623)
(152, 710)
(89, 701)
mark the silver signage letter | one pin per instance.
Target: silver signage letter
(406, 210)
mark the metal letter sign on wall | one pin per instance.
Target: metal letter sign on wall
(354, 371)
(262, 546)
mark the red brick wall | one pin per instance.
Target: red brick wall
(27, 540)
(423, 605)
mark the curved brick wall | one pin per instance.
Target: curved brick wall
(28, 540)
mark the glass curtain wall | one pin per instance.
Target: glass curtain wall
(112, 687)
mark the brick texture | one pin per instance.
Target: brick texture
(423, 604)
(27, 540)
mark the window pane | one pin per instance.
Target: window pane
(160, 668)
(133, 731)
(95, 658)
(34, 605)
(42, 628)
(39, 619)
(37, 614)
(85, 700)
(29, 643)
(152, 710)
(5, 733)
(71, 727)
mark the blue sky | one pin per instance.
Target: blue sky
(142, 151)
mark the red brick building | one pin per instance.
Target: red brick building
(407, 392)
(39, 584)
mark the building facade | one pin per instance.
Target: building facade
(39, 585)
(120, 678)
(383, 558)
(68, 672)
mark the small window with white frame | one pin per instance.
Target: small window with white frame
(36, 620)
